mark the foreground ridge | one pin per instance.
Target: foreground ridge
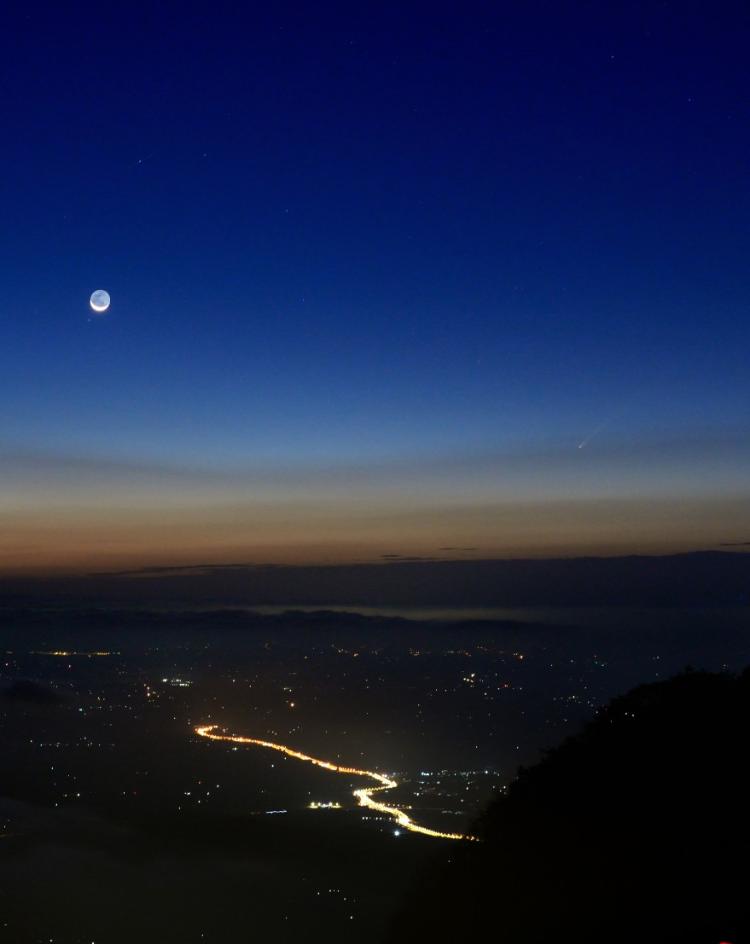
(364, 795)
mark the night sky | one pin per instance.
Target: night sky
(385, 279)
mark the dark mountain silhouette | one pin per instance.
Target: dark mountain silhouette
(706, 578)
(637, 829)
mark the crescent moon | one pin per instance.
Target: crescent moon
(99, 300)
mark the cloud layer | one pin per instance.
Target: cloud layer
(615, 497)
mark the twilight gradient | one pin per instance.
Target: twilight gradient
(378, 276)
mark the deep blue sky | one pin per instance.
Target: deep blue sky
(374, 233)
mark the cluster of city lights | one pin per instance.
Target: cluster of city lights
(71, 652)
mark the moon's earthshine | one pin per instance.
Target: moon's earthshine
(99, 300)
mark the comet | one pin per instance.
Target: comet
(584, 442)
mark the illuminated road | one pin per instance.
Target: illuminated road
(364, 795)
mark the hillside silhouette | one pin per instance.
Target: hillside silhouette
(636, 829)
